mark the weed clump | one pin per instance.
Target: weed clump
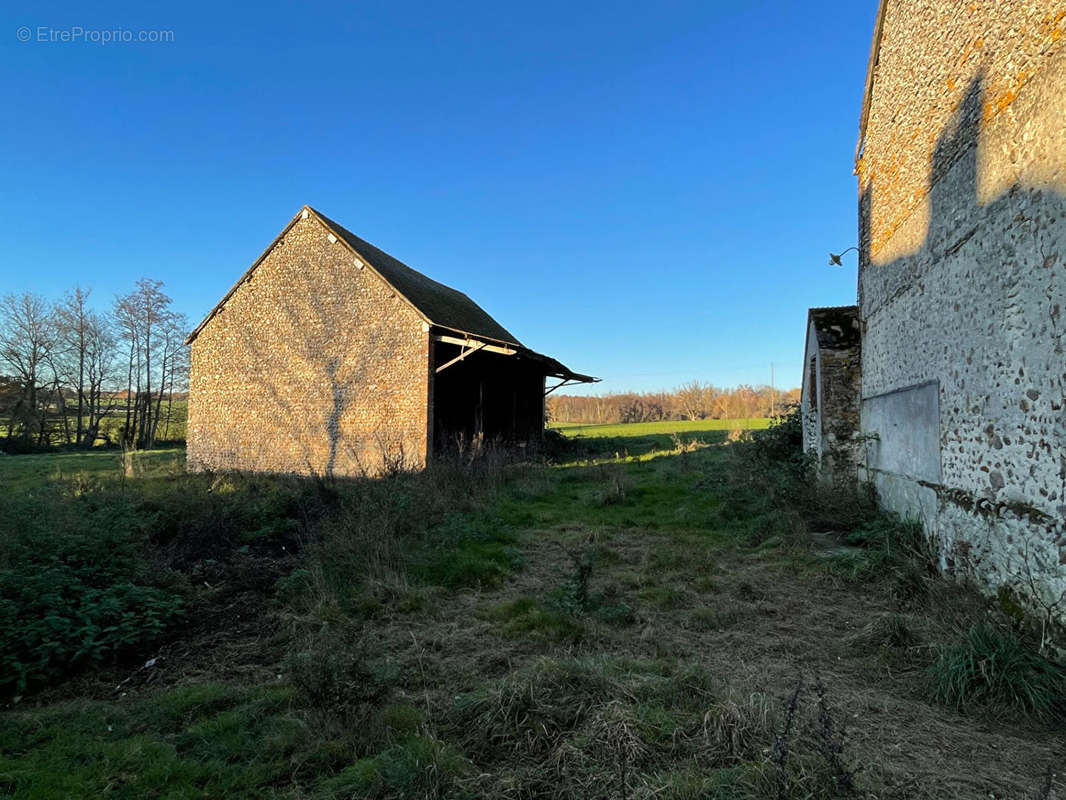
(993, 667)
(333, 675)
(540, 707)
(575, 598)
(527, 616)
(807, 758)
(888, 633)
(418, 766)
(737, 730)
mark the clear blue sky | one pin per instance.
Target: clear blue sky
(646, 191)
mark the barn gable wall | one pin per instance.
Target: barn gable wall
(312, 366)
(962, 182)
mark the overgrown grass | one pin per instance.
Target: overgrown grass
(992, 667)
(210, 740)
(418, 766)
(96, 568)
(628, 621)
(527, 616)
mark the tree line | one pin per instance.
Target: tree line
(66, 368)
(693, 400)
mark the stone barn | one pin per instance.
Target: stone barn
(961, 167)
(829, 405)
(331, 357)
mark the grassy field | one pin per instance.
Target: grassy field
(20, 473)
(170, 430)
(635, 438)
(685, 621)
(665, 428)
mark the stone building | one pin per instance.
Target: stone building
(961, 167)
(829, 404)
(330, 357)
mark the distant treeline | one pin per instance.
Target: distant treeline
(693, 400)
(73, 375)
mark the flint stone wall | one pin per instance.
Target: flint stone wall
(962, 182)
(829, 405)
(313, 366)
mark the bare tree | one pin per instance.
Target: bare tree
(171, 339)
(692, 399)
(142, 316)
(100, 374)
(73, 322)
(27, 342)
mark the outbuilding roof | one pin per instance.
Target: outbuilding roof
(439, 305)
(837, 327)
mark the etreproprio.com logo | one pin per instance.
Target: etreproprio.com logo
(78, 34)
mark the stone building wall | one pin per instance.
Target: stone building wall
(962, 183)
(840, 370)
(810, 401)
(831, 383)
(312, 366)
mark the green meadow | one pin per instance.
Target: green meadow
(662, 428)
(21, 473)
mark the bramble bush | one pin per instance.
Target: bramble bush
(74, 586)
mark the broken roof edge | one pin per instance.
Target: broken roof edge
(825, 318)
(558, 368)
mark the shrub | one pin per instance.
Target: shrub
(780, 444)
(992, 666)
(333, 675)
(75, 588)
(575, 599)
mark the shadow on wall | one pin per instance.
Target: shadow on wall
(318, 394)
(962, 369)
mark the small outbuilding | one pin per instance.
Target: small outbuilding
(331, 357)
(831, 381)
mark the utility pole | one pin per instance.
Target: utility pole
(771, 388)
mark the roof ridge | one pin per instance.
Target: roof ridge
(427, 296)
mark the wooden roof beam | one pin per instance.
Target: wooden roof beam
(468, 342)
(462, 355)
